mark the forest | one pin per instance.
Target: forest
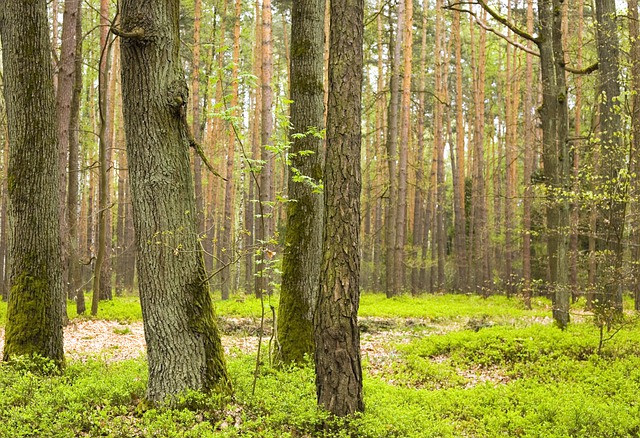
(308, 218)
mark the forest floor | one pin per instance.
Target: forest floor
(111, 340)
(433, 366)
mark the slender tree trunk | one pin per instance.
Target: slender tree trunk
(74, 272)
(196, 112)
(405, 139)
(634, 35)
(418, 209)
(64, 97)
(392, 286)
(183, 342)
(264, 228)
(459, 176)
(528, 165)
(34, 312)
(337, 336)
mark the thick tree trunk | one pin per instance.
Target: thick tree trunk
(34, 313)
(337, 336)
(183, 342)
(303, 240)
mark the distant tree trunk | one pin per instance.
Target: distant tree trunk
(576, 152)
(482, 268)
(228, 233)
(511, 153)
(64, 97)
(74, 271)
(611, 220)
(441, 92)
(303, 240)
(183, 342)
(392, 286)
(264, 229)
(196, 112)
(418, 210)
(405, 139)
(34, 313)
(460, 239)
(528, 165)
(256, 125)
(379, 245)
(337, 336)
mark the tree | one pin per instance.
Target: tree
(611, 209)
(34, 313)
(183, 341)
(303, 239)
(336, 332)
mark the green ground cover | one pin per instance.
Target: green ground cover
(479, 380)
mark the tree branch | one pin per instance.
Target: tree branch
(136, 34)
(502, 20)
(583, 71)
(488, 28)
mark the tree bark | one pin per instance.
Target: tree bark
(303, 240)
(612, 207)
(34, 313)
(337, 336)
(183, 342)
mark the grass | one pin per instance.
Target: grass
(431, 307)
(515, 378)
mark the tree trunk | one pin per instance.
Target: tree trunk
(74, 271)
(392, 286)
(460, 239)
(34, 313)
(337, 336)
(264, 229)
(183, 342)
(303, 240)
(64, 97)
(610, 225)
(418, 209)
(528, 165)
(405, 139)
(634, 35)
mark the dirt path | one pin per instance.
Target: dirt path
(115, 341)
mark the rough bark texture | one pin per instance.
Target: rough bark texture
(303, 240)
(610, 225)
(34, 313)
(553, 119)
(337, 358)
(183, 341)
